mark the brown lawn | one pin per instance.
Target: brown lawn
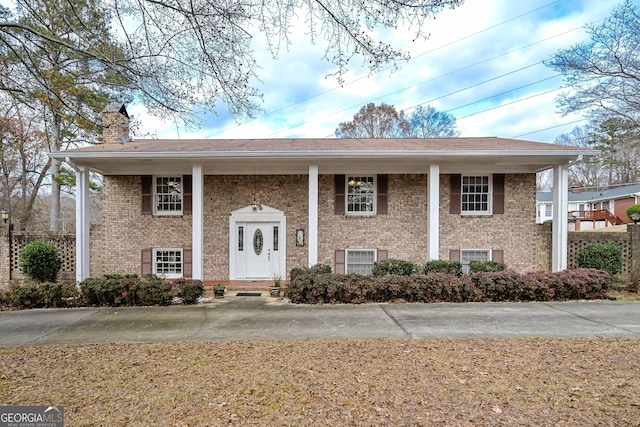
(534, 382)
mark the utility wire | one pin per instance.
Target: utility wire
(417, 56)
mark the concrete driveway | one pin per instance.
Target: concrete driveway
(261, 318)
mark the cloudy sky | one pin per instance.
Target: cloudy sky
(482, 63)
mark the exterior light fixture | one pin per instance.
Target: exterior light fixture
(255, 205)
(635, 217)
(5, 216)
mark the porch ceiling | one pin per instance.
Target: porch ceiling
(246, 157)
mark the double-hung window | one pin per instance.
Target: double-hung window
(476, 195)
(360, 261)
(167, 195)
(167, 263)
(469, 255)
(361, 195)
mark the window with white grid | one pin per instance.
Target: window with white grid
(167, 263)
(476, 195)
(360, 261)
(361, 195)
(168, 195)
(468, 255)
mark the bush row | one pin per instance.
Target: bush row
(39, 295)
(109, 290)
(440, 287)
(407, 268)
(130, 289)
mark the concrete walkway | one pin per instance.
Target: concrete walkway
(261, 318)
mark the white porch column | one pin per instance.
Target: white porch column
(82, 224)
(312, 238)
(197, 240)
(560, 218)
(433, 215)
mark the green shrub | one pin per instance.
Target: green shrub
(439, 287)
(602, 256)
(189, 290)
(633, 209)
(486, 266)
(39, 260)
(153, 290)
(316, 269)
(4, 299)
(442, 266)
(38, 295)
(25, 296)
(129, 289)
(393, 266)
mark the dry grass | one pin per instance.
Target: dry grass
(535, 382)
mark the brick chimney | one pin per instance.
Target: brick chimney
(115, 122)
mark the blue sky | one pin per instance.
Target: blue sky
(482, 63)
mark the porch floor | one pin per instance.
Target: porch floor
(239, 285)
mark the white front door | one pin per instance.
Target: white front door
(261, 249)
(257, 244)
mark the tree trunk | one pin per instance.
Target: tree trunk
(54, 224)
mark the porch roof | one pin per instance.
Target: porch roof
(332, 155)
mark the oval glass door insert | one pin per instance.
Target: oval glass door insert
(258, 242)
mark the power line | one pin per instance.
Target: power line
(417, 56)
(549, 128)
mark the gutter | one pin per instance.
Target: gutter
(309, 154)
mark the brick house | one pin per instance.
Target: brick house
(253, 209)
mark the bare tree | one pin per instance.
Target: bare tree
(384, 121)
(175, 55)
(604, 72)
(590, 171)
(427, 122)
(374, 121)
(23, 161)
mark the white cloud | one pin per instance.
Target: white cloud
(300, 101)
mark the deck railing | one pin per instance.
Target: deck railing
(596, 215)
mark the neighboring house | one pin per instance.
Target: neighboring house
(592, 209)
(252, 209)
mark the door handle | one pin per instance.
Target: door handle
(268, 254)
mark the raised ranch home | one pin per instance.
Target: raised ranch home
(251, 209)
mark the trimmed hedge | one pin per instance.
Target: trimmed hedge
(109, 290)
(130, 289)
(477, 266)
(439, 287)
(441, 266)
(316, 269)
(40, 295)
(394, 266)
